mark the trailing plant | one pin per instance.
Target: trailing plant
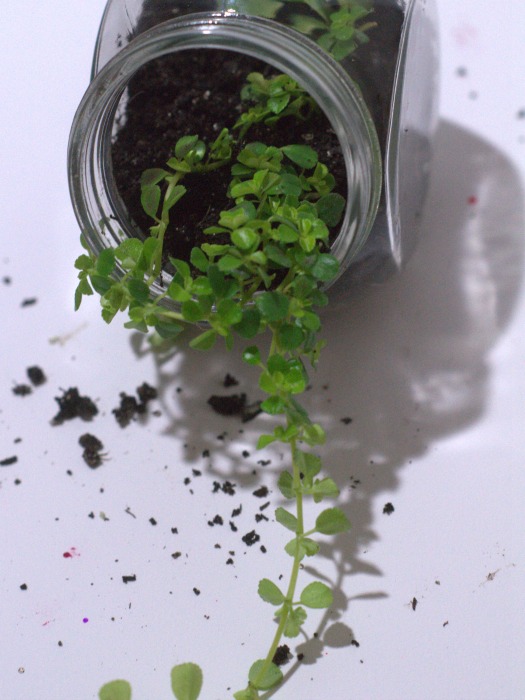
(337, 27)
(262, 272)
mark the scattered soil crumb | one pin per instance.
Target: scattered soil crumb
(250, 538)
(36, 375)
(346, 420)
(388, 509)
(414, 603)
(31, 301)
(261, 492)
(282, 655)
(232, 405)
(91, 455)
(72, 405)
(129, 579)
(226, 487)
(8, 461)
(229, 380)
(129, 407)
(22, 389)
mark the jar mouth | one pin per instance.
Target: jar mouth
(95, 200)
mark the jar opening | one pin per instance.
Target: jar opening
(91, 180)
(198, 92)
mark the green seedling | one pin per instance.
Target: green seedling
(263, 271)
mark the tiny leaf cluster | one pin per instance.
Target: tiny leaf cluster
(338, 27)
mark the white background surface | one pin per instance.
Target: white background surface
(429, 366)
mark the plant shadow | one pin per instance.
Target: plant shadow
(407, 360)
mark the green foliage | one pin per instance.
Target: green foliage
(264, 274)
(186, 681)
(339, 28)
(115, 690)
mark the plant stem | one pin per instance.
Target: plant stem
(290, 593)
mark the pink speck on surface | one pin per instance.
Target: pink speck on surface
(72, 552)
(465, 35)
(85, 619)
(472, 200)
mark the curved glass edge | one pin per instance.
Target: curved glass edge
(327, 82)
(412, 125)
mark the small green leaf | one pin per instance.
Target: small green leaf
(115, 690)
(246, 694)
(304, 156)
(276, 254)
(152, 176)
(186, 681)
(100, 284)
(252, 355)
(302, 547)
(192, 311)
(290, 337)
(204, 341)
(199, 260)
(267, 383)
(201, 287)
(172, 196)
(271, 677)
(273, 306)
(238, 216)
(330, 208)
(168, 330)
(295, 621)
(178, 293)
(150, 250)
(245, 238)
(269, 592)
(83, 289)
(250, 323)
(106, 262)
(325, 268)
(229, 262)
(285, 485)
(324, 488)
(184, 145)
(150, 199)
(287, 519)
(317, 595)
(273, 405)
(83, 262)
(229, 312)
(182, 268)
(265, 440)
(139, 290)
(332, 521)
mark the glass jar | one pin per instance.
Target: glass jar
(369, 64)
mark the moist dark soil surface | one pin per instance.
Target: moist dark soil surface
(198, 92)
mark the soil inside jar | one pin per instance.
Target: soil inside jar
(198, 92)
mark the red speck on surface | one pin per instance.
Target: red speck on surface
(72, 552)
(472, 199)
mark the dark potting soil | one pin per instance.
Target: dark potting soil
(198, 92)
(72, 405)
(92, 454)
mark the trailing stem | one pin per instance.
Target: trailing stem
(263, 270)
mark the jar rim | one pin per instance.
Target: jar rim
(284, 48)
